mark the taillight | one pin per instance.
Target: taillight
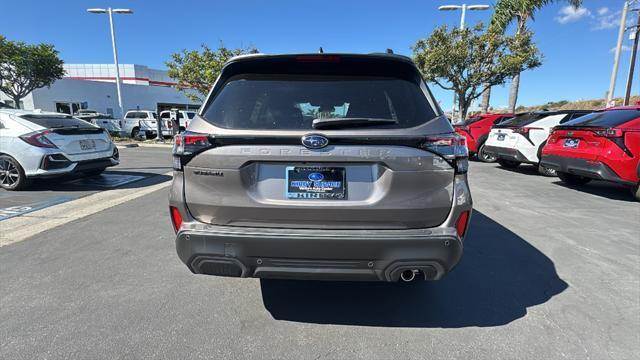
(38, 139)
(616, 136)
(452, 148)
(318, 58)
(461, 223)
(176, 218)
(524, 131)
(186, 145)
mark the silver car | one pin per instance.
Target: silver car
(36, 144)
(320, 166)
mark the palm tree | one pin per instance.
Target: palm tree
(507, 11)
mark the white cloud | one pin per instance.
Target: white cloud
(623, 48)
(607, 19)
(569, 14)
(603, 10)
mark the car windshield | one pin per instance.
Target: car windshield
(56, 121)
(294, 101)
(605, 119)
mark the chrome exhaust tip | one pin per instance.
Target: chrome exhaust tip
(408, 275)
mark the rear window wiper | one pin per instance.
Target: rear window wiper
(349, 122)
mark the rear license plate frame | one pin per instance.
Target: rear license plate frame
(571, 143)
(315, 183)
(87, 144)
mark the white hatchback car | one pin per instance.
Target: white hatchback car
(521, 139)
(36, 144)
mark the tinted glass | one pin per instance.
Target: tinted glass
(472, 120)
(53, 121)
(524, 119)
(294, 101)
(190, 115)
(605, 119)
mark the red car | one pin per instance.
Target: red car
(603, 145)
(476, 130)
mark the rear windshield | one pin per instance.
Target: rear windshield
(54, 121)
(605, 119)
(472, 120)
(294, 101)
(524, 119)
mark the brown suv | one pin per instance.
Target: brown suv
(320, 166)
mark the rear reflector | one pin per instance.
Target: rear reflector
(176, 218)
(461, 223)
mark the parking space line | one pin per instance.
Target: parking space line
(13, 211)
(22, 227)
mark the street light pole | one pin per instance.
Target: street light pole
(115, 60)
(616, 59)
(634, 51)
(463, 8)
(110, 12)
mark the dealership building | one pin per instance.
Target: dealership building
(92, 86)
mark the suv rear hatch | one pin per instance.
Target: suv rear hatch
(372, 160)
(588, 136)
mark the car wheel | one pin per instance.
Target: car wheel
(509, 164)
(135, 133)
(636, 192)
(12, 175)
(573, 179)
(485, 157)
(94, 172)
(182, 129)
(546, 171)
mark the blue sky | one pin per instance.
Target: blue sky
(576, 44)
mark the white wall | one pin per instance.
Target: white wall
(102, 95)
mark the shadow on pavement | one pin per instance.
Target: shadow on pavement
(499, 277)
(106, 181)
(603, 189)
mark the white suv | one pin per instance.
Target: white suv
(184, 116)
(521, 139)
(137, 123)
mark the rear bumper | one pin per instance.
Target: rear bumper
(357, 255)
(320, 254)
(582, 167)
(506, 153)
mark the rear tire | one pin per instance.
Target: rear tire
(484, 157)
(543, 170)
(571, 179)
(509, 164)
(636, 192)
(135, 132)
(12, 175)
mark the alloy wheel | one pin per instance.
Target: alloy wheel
(9, 173)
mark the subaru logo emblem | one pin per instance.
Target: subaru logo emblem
(316, 176)
(312, 141)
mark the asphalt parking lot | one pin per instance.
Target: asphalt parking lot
(136, 164)
(549, 272)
